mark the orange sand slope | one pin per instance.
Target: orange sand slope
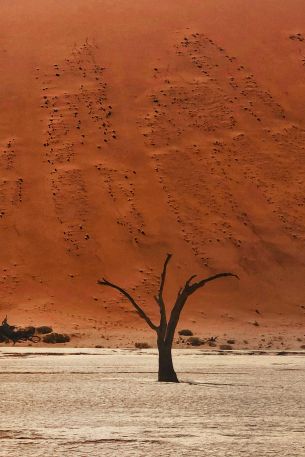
(134, 128)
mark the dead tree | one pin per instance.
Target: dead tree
(17, 335)
(166, 329)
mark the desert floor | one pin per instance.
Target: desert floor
(130, 129)
(107, 402)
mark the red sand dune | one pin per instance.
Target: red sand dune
(130, 129)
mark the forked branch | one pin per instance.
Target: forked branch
(197, 285)
(184, 293)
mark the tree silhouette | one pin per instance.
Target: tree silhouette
(166, 329)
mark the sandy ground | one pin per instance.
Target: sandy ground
(107, 402)
(133, 129)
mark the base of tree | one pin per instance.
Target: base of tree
(166, 368)
(168, 378)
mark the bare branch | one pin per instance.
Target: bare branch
(189, 280)
(139, 310)
(182, 297)
(163, 274)
(197, 285)
(159, 299)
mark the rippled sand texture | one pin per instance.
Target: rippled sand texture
(107, 403)
(133, 128)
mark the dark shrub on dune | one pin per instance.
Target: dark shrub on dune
(29, 330)
(195, 341)
(225, 347)
(142, 345)
(53, 338)
(185, 332)
(44, 329)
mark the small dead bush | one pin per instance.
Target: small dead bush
(29, 329)
(212, 344)
(225, 347)
(53, 338)
(185, 332)
(195, 341)
(142, 346)
(44, 329)
(231, 341)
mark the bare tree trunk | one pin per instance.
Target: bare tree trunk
(166, 368)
